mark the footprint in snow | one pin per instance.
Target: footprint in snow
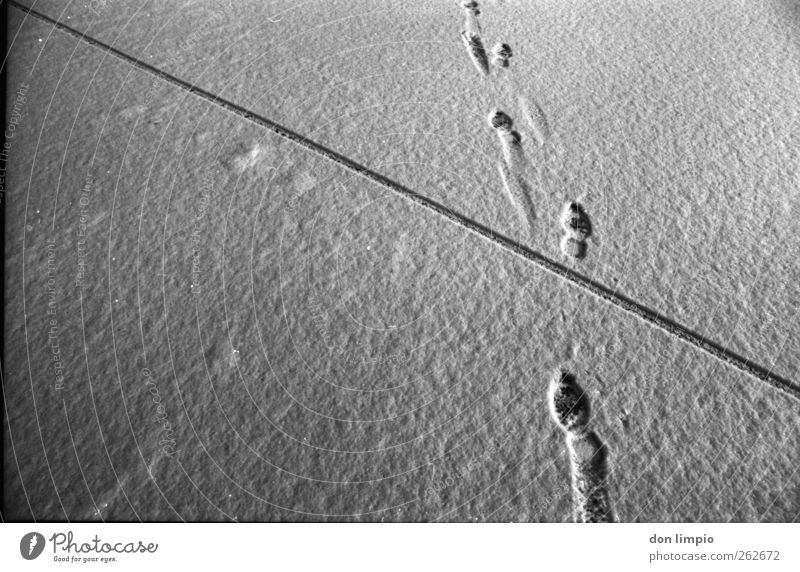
(471, 13)
(535, 118)
(570, 409)
(476, 51)
(247, 157)
(132, 112)
(501, 54)
(513, 168)
(578, 228)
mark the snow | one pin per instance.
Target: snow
(247, 330)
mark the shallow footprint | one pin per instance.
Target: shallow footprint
(132, 112)
(247, 157)
(519, 193)
(573, 247)
(471, 12)
(535, 118)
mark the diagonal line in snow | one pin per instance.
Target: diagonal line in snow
(576, 279)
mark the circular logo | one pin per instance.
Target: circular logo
(31, 545)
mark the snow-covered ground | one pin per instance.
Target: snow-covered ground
(246, 329)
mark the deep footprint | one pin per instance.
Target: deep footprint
(570, 408)
(510, 142)
(575, 221)
(500, 121)
(569, 404)
(501, 54)
(578, 228)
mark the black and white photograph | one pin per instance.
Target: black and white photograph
(380, 262)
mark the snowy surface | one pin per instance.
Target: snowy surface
(674, 122)
(322, 348)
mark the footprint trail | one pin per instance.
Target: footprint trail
(569, 407)
(513, 169)
(471, 36)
